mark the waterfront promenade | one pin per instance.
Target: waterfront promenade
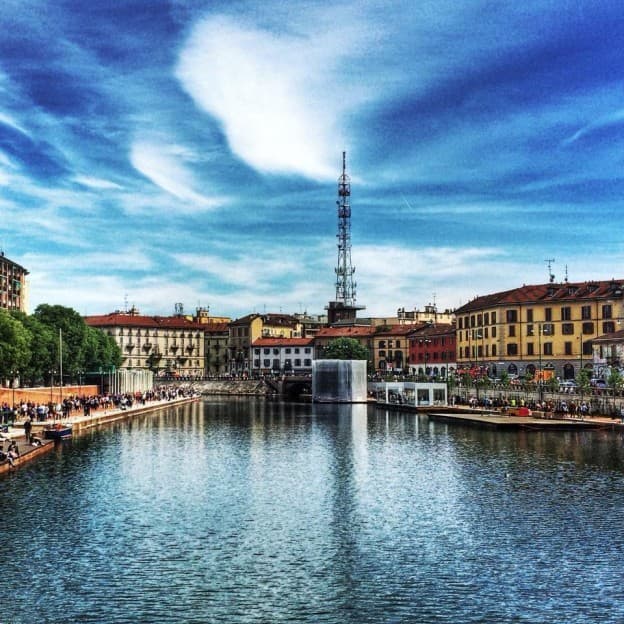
(81, 424)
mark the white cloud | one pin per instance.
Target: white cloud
(96, 183)
(163, 165)
(274, 94)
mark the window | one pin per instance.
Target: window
(608, 327)
(530, 330)
(512, 348)
(512, 330)
(266, 351)
(382, 344)
(266, 363)
(548, 314)
(530, 348)
(256, 363)
(567, 348)
(276, 364)
(297, 362)
(493, 318)
(307, 362)
(566, 313)
(493, 347)
(486, 318)
(512, 316)
(587, 348)
(287, 349)
(588, 328)
(567, 329)
(256, 351)
(275, 351)
(493, 333)
(585, 312)
(548, 348)
(529, 314)
(548, 329)
(306, 350)
(296, 349)
(606, 311)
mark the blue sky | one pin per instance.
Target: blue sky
(158, 152)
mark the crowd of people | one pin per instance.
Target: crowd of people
(73, 405)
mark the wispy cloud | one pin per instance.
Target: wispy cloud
(163, 165)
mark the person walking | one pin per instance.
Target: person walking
(27, 428)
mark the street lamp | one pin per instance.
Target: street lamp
(14, 375)
(52, 373)
(546, 331)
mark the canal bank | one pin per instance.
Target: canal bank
(81, 424)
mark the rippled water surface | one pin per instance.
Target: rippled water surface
(241, 511)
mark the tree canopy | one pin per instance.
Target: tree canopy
(345, 349)
(32, 345)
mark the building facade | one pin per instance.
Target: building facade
(391, 348)
(245, 330)
(168, 346)
(13, 285)
(283, 356)
(432, 350)
(540, 330)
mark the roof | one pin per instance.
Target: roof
(397, 330)
(434, 329)
(345, 332)
(280, 320)
(3, 258)
(610, 338)
(548, 293)
(118, 319)
(286, 342)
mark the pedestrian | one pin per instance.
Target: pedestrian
(27, 428)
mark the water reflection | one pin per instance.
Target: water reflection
(251, 511)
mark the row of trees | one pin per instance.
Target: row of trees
(31, 346)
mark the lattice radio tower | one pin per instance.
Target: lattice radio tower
(345, 286)
(343, 309)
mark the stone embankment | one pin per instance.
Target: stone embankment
(231, 387)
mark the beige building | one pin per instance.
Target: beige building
(13, 285)
(391, 348)
(167, 345)
(545, 329)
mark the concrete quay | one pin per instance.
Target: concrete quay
(80, 425)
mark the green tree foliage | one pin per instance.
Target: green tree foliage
(32, 345)
(43, 348)
(345, 349)
(14, 345)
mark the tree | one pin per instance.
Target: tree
(42, 344)
(345, 349)
(14, 345)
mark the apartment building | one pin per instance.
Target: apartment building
(544, 329)
(245, 330)
(432, 350)
(13, 285)
(287, 356)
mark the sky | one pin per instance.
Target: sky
(188, 151)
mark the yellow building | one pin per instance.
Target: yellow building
(245, 330)
(540, 330)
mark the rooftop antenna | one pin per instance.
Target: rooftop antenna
(549, 262)
(126, 302)
(566, 273)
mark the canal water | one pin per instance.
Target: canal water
(245, 511)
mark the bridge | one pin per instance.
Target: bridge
(291, 387)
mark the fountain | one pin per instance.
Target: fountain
(339, 381)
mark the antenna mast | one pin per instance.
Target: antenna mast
(549, 262)
(345, 286)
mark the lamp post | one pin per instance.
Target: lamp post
(80, 374)
(14, 375)
(52, 373)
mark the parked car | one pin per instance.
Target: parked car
(596, 382)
